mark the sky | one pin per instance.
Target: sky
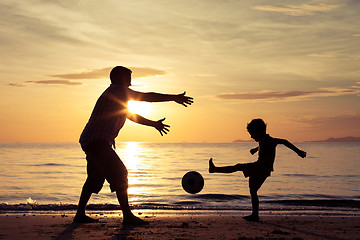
(296, 64)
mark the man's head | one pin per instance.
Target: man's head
(121, 76)
(257, 129)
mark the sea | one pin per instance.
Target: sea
(49, 177)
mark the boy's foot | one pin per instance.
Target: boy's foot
(211, 166)
(133, 220)
(84, 219)
(252, 218)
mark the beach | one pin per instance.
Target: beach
(182, 225)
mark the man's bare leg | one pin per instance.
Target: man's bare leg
(128, 217)
(80, 216)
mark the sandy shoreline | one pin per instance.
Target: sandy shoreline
(178, 226)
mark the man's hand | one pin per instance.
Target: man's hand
(183, 100)
(161, 127)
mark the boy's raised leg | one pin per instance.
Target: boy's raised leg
(211, 166)
(227, 169)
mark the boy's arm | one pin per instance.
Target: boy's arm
(254, 150)
(292, 147)
(159, 97)
(159, 125)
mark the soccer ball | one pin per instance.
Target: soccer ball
(192, 182)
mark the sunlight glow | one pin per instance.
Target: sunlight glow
(141, 108)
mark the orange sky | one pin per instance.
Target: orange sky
(294, 64)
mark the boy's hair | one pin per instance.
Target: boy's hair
(256, 125)
(118, 71)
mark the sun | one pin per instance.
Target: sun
(137, 107)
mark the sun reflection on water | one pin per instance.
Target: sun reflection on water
(131, 156)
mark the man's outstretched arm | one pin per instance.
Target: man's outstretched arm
(159, 125)
(159, 97)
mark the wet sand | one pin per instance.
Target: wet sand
(180, 226)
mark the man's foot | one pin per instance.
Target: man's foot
(84, 219)
(133, 220)
(211, 166)
(252, 218)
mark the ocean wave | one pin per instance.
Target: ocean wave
(319, 203)
(185, 203)
(300, 175)
(320, 176)
(49, 164)
(331, 205)
(222, 197)
(276, 197)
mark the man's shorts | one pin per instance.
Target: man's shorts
(103, 163)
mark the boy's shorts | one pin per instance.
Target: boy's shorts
(254, 169)
(255, 182)
(103, 163)
(257, 174)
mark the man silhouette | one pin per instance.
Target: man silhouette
(98, 137)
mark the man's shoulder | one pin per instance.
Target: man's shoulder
(116, 87)
(116, 91)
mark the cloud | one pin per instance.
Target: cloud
(16, 85)
(274, 96)
(105, 72)
(205, 75)
(297, 10)
(146, 72)
(26, 24)
(61, 82)
(46, 82)
(322, 55)
(91, 74)
(340, 122)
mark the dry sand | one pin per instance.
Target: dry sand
(180, 226)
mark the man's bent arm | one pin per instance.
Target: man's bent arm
(159, 125)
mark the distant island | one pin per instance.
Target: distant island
(343, 139)
(331, 139)
(242, 141)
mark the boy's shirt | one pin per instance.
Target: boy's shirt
(267, 150)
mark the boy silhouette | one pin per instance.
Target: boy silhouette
(261, 169)
(98, 137)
